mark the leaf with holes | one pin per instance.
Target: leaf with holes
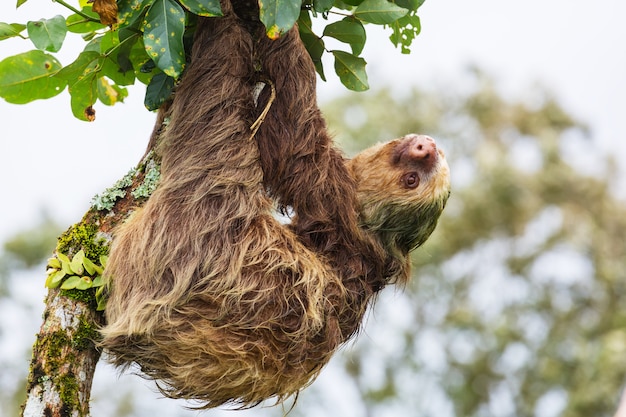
(48, 34)
(279, 16)
(351, 71)
(350, 31)
(208, 8)
(28, 76)
(405, 30)
(164, 27)
(379, 12)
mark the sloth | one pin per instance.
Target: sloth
(209, 294)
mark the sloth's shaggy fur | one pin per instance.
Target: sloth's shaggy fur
(211, 295)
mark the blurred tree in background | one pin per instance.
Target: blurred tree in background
(21, 296)
(514, 308)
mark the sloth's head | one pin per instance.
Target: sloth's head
(403, 186)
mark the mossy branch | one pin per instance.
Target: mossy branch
(65, 353)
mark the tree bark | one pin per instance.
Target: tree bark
(65, 352)
(64, 359)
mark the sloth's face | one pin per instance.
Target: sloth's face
(403, 186)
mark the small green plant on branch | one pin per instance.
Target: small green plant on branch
(149, 41)
(79, 273)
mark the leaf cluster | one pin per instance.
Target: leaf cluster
(79, 273)
(149, 41)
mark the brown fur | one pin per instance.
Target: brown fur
(210, 294)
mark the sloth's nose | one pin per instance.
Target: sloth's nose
(421, 148)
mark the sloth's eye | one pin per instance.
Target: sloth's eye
(411, 180)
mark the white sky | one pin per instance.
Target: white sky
(575, 48)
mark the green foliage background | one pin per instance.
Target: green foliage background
(151, 42)
(515, 304)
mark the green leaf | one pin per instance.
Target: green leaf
(83, 95)
(63, 258)
(28, 76)
(109, 41)
(118, 65)
(129, 11)
(113, 71)
(55, 279)
(103, 260)
(350, 31)
(54, 263)
(111, 49)
(77, 262)
(84, 283)
(79, 24)
(405, 30)
(279, 16)
(98, 281)
(315, 47)
(409, 4)
(110, 94)
(101, 299)
(349, 3)
(163, 36)
(144, 67)
(81, 76)
(10, 30)
(313, 43)
(66, 268)
(90, 267)
(83, 66)
(20, 2)
(48, 34)
(70, 283)
(159, 90)
(122, 57)
(208, 8)
(351, 71)
(323, 6)
(99, 269)
(379, 12)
